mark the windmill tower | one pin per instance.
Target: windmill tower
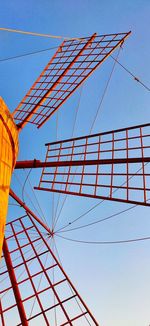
(8, 156)
(28, 260)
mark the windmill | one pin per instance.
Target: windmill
(101, 160)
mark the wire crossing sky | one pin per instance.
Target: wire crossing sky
(113, 279)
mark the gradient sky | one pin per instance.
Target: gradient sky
(113, 280)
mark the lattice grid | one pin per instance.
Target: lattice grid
(73, 62)
(122, 172)
(47, 294)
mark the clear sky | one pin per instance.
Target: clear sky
(113, 280)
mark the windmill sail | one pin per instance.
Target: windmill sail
(8, 155)
(111, 165)
(35, 288)
(70, 66)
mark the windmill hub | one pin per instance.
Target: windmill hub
(52, 233)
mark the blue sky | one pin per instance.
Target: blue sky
(113, 280)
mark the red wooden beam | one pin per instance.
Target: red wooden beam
(1, 314)
(134, 202)
(28, 210)
(34, 164)
(14, 284)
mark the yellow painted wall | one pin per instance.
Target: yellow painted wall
(8, 156)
